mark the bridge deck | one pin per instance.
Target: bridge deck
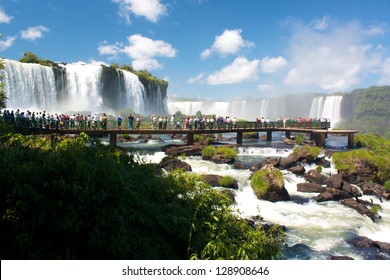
(317, 134)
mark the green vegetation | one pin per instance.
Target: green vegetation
(367, 110)
(314, 151)
(210, 150)
(261, 180)
(375, 153)
(198, 138)
(226, 181)
(387, 185)
(319, 168)
(79, 199)
(375, 208)
(259, 184)
(30, 57)
(299, 139)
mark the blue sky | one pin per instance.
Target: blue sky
(213, 49)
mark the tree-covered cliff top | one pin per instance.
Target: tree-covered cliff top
(367, 110)
(144, 76)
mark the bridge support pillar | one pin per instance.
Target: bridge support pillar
(287, 134)
(113, 139)
(351, 137)
(319, 139)
(239, 137)
(190, 138)
(269, 135)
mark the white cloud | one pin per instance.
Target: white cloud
(142, 50)
(321, 24)
(271, 65)
(4, 18)
(265, 87)
(8, 42)
(197, 79)
(152, 10)
(33, 33)
(240, 70)
(105, 49)
(376, 30)
(385, 79)
(229, 42)
(334, 60)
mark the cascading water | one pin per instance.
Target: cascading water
(323, 228)
(291, 106)
(84, 89)
(327, 107)
(134, 98)
(75, 87)
(30, 86)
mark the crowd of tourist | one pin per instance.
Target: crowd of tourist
(45, 120)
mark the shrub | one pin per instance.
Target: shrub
(259, 184)
(227, 152)
(299, 139)
(208, 152)
(319, 169)
(226, 181)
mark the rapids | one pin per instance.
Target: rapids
(317, 229)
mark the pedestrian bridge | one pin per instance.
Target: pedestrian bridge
(317, 131)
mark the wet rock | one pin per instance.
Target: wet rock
(170, 163)
(188, 150)
(241, 165)
(310, 187)
(322, 162)
(267, 227)
(341, 258)
(213, 180)
(220, 158)
(331, 194)
(360, 206)
(335, 181)
(351, 190)
(271, 161)
(297, 170)
(313, 176)
(273, 188)
(370, 188)
(363, 172)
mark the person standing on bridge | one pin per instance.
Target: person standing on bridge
(119, 121)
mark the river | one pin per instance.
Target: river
(314, 230)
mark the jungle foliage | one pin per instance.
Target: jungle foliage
(78, 199)
(367, 110)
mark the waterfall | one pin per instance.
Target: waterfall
(328, 107)
(291, 106)
(135, 97)
(84, 89)
(30, 86)
(76, 87)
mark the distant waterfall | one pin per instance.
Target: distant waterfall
(328, 107)
(76, 87)
(290, 106)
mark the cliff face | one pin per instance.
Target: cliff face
(156, 94)
(367, 110)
